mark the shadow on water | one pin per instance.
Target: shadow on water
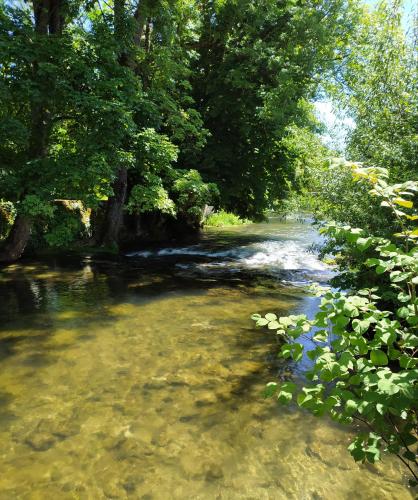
(38, 298)
(6, 414)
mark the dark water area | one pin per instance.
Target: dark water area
(142, 377)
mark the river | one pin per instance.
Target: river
(142, 377)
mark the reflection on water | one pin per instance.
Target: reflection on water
(140, 378)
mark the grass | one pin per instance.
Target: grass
(222, 218)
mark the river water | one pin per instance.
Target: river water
(142, 377)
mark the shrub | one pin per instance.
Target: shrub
(222, 218)
(364, 357)
(7, 215)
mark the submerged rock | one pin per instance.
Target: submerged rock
(206, 398)
(214, 472)
(40, 441)
(48, 431)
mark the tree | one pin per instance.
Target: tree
(150, 38)
(113, 103)
(259, 62)
(32, 72)
(378, 86)
(91, 102)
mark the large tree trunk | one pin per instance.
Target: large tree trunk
(114, 213)
(20, 233)
(48, 21)
(17, 240)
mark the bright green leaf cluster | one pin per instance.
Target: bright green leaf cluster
(364, 363)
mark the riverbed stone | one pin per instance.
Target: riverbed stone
(213, 472)
(113, 491)
(206, 398)
(47, 432)
(40, 441)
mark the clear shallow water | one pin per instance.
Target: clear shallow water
(142, 378)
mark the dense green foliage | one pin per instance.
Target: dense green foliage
(222, 218)
(364, 354)
(95, 106)
(136, 109)
(259, 64)
(6, 217)
(362, 344)
(378, 86)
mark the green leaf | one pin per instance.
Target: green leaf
(361, 326)
(297, 351)
(381, 409)
(372, 262)
(394, 354)
(286, 350)
(403, 297)
(378, 358)
(397, 276)
(387, 386)
(320, 336)
(407, 362)
(270, 390)
(409, 455)
(270, 317)
(403, 203)
(363, 243)
(402, 312)
(356, 449)
(303, 398)
(388, 337)
(361, 345)
(341, 321)
(286, 321)
(351, 406)
(408, 438)
(350, 310)
(346, 360)
(287, 389)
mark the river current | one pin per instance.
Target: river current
(142, 377)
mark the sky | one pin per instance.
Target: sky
(337, 125)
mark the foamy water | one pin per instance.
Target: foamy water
(282, 255)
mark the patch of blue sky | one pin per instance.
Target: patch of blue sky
(337, 123)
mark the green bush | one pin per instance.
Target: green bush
(192, 194)
(7, 215)
(222, 218)
(364, 355)
(69, 224)
(150, 198)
